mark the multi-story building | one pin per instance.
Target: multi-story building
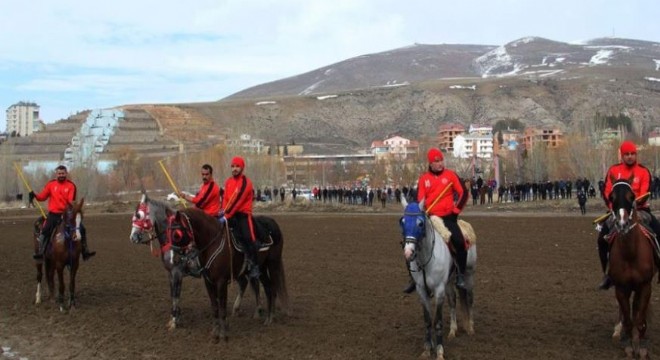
(396, 147)
(446, 135)
(23, 119)
(246, 143)
(550, 136)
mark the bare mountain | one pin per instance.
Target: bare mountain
(413, 90)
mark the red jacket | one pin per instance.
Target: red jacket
(208, 198)
(430, 186)
(58, 194)
(641, 183)
(238, 196)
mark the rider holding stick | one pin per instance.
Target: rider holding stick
(237, 208)
(439, 187)
(641, 182)
(207, 198)
(59, 192)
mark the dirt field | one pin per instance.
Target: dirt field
(535, 296)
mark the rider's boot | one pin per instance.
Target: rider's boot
(86, 254)
(41, 240)
(461, 264)
(253, 263)
(603, 253)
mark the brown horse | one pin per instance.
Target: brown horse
(631, 269)
(222, 262)
(63, 251)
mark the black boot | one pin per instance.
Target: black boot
(410, 288)
(86, 254)
(39, 255)
(252, 261)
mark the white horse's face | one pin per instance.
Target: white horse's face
(141, 222)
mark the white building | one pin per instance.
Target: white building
(23, 119)
(396, 146)
(478, 143)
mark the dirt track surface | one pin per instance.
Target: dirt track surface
(535, 296)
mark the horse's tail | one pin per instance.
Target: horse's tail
(279, 286)
(276, 265)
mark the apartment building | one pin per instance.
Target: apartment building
(23, 119)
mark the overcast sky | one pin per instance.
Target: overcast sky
(71, 55)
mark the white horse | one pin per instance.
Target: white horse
(430, 263)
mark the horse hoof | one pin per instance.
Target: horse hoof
(426, 354)
(643, 353)
(451, 335)
(171, 325)
(629, 352)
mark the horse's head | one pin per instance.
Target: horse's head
(72, 218)
(142, 221)
(623, 203)
(413, 227)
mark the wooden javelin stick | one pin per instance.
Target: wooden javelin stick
(606, 215)
(438, 198)
(27, 186)
(167, 175)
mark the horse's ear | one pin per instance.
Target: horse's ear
(421, 204)
(404, 201)
(631, 179)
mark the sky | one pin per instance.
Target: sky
(72, 55)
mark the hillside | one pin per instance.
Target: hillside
(411, 91)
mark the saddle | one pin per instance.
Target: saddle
(264, 239)
(467, 230)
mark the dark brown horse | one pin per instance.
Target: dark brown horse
(631, 269)
(222, 262)
(63, 251)
(149, 223)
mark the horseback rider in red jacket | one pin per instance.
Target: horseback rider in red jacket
(59, 192)
(237, 209)
(207, 198)
(641, 185)
(439, 187)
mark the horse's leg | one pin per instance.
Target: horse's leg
(60, 286)
(451, 298)
(37, 297)
(254, 284)
(217, 291)
(176, 279)
(640, 309)
(50, 277)
(266, 281)
(467, 302)
(438, 323)
(72, 283)
(467, 299)
(623, 297)
(429, 341)
(242, 285)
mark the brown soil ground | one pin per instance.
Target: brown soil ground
(535, 295)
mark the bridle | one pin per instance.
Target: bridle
(414, 233)
(624, 214)
(142, 223)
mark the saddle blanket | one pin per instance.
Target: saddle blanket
(466, 229)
